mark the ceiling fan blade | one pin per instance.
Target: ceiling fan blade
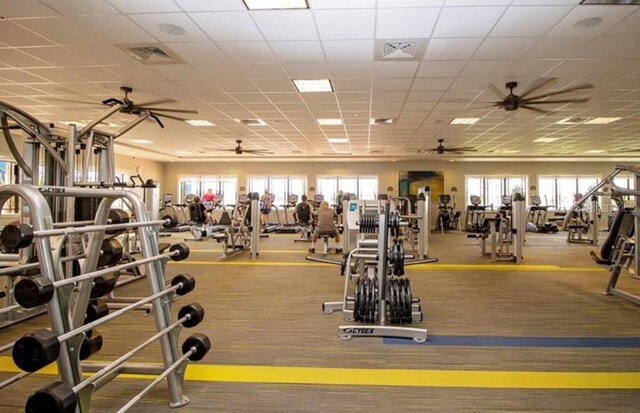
(538, 110)
(464, 148)
(166, 110)
(539, 85)
(156, 102)
(453, 151)
(257, 151)
(162, 115)
(582, 100)
(496, 91)
(559, 92)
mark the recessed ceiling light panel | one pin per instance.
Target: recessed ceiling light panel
(199, 122)
(313, 85)
(620, 2)
(275, 4)
(545, 140)
(464, 121)
(601, 121)
(595, 151)
(141, 141)
(329, 122)
(338, 140)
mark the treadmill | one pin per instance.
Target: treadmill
(289, 227)
(272, 226)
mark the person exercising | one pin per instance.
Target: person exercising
(266, 208)
(209, 196)
(303, 211)
(326, 224)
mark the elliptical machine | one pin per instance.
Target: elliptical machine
(448, 217)
(537, 216)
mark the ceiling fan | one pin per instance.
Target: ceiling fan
(511, 101)
(441, 149)
(137, 108)
(239, 150)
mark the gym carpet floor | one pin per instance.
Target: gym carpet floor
(538, 336)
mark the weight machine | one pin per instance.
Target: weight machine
(241, 227)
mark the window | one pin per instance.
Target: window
(199, 185)
(560, 191)
(7, 177)
(490, 189)
(280, 186)
(365, 187)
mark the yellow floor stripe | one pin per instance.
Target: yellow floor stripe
(261, 251)
(394, 377)
(439, 267)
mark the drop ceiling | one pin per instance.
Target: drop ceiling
(234, 64)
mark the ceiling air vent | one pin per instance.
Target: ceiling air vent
(382, 121)
(572, 121)
(150, 54)
(252, 122)
(399, 50)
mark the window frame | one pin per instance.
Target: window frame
(331, 198)
(485, 189)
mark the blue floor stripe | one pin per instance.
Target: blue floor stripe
(502, 341)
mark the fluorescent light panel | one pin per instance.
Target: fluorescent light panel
(141, 141)
(545, 140)
(338, 140)
(601, 121)
(313, 85)
(275, 4)
(595, 151)
(329, 122)
(199, 122)
(464, 121)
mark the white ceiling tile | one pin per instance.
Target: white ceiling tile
(485, 68)
(265, 71)
(96, 74)
(477, 2)
(392, 84)
(60, 30)
(199, 52)
(575, 68)
(607, 47)
(71, 7)
(361, 97)
(58, 56)
(528, 21)
(345, 24)
(405, 23)
(151, 23)
(341, 4)
(409, 3)
(208, 5)
(145, 6)
(16, 58)
(137, 72)
(350, 69)
(298, 52)
(115, 29)
(504, 47)
(556, 47)
(478, 21)
(102, 53)
(16, 36)
(610, 17)
(431, 84)
(248, 52)
(55, 74)
(348, 50)
(25, 8)
(531, 68)
(451, 49)
(228, 26)
(440, 68)
(543, 3)
(628, 26)
(350, 85)
(307, 70)
(179, 72)
(395, 69)
(286, 24)
(275, 86)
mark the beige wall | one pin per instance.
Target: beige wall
(148, 169)
(387, 172)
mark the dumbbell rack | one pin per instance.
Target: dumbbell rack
(67, 303)
(381, 317)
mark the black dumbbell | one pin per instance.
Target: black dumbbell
(183, 251)
(90, 345)
(195, 312)
(95, 311)
(56, 397)
(187, 281)
(35, 350)
(200, 342)
(32, 292)
(103, 285)
(16, 236)
(171, 222)
(117, 216)
(111, 252)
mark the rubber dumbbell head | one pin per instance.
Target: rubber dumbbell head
(95, 311)
(90, 345)
(201, 344)
(56, 397)
(170, 222)
(33, 292)
(118, 216)
(183, 251)
(195, 312)
(35, 350)
(103, 285)
(111, 252)
(186, 280)
(16, 236)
